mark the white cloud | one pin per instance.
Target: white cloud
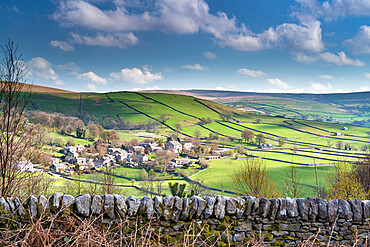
(252, 73)
(59, 82)
(367, 75)
(92, 86)
(340, 59)
(188, 17)
(327, 77)
(365, 88)
(42, 68)
(62, 45)
(360, 44)
(120, 40)
(331, 9)
(278, 83)
(195, 67)
(209, 55)
(72, 67)
(303, 58)
(136, 75)
(319, 87)
(92, 77)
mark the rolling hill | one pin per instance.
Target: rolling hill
(351, 108)
(307, 142)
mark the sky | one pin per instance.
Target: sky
(289, 46)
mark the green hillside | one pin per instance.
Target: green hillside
(352, 108)
(183, 116)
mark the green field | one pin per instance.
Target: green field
(341, 107)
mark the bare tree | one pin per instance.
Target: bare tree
(163, 159)
(252, 178)
(20, 141)
(197, 187)
(107, 180)
(291, 183)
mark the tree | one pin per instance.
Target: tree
(163, 158)
(339, 145)
(247, 135)
(252, 178)
(107, 180)
(80, 132)
(20, 140)
(163, 118)
(239, 149)
(197, 186)
(94, 130)
(258, 120)
(344, 184)
(292, 186)
(260, 139)
(178, 126)
(179, 190)
(197, 133)
(361, 170)
(282, 141)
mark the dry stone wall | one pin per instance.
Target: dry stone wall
(279, 221)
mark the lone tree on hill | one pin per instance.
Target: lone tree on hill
(20, 141)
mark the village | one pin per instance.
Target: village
(169, 156)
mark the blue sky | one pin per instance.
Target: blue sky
(246, 45)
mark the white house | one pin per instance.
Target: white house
(173, 146)
(24, 166)
(188, 146)
(59, 167)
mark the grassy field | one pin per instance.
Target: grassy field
(219, 175)
(183, 114)
(345, 107)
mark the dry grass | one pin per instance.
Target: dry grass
(67, 229)
(42, 89)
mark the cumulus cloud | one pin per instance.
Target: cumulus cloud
(340, 59)
(209, 55)
(92, 77)
(319, 87)
(252, 73)
(42, 68)
(360, 44)
(303, 58)
(278, 83)
(330, 10)
(187, 17)
(62, 45)
(195, 67)
(136, 75)
(327, 77)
